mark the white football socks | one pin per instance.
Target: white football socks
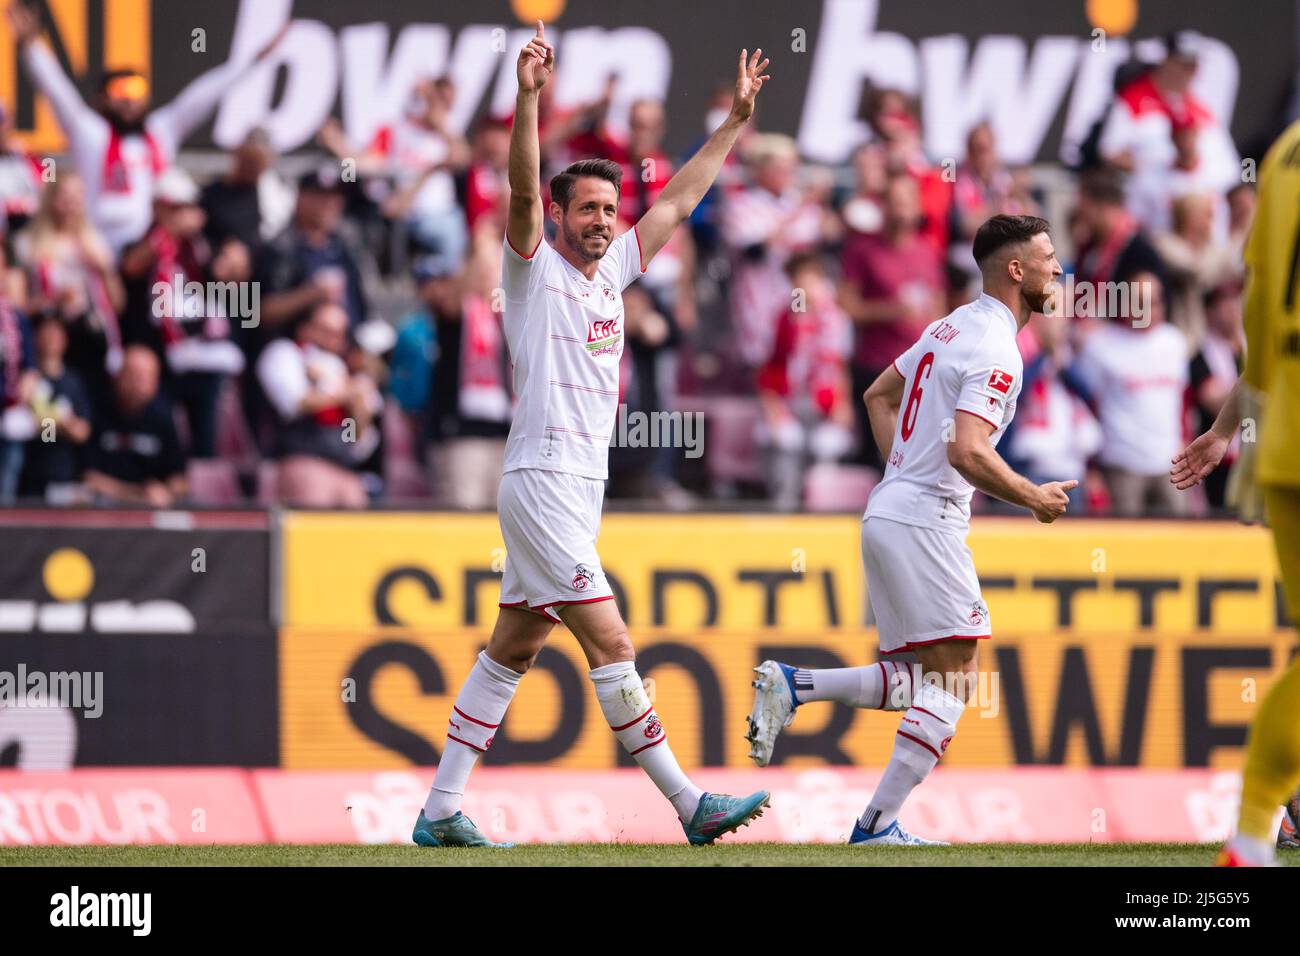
(881, 686)
(480, 707)
(632, 717)
(924, 732)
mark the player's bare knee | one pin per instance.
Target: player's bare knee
(954, 665)
(607, 645)
(517, 639)
(518, 659)
(613, 645)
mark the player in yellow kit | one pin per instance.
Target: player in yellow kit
(1268, 393)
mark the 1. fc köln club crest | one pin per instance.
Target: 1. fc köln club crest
(583, 578)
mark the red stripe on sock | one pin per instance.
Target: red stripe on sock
(474, 720)
(649, 745)
(916, 740)
(884, 684)
(466, 743)
(633, 722)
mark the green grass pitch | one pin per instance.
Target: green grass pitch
(610, 854)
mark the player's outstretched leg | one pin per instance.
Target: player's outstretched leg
(780, 688)
(924, 733)
(479, 709)
(623, 700)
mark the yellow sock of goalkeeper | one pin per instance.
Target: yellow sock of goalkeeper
(1272, 757)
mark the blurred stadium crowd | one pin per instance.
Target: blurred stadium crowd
(376, 368)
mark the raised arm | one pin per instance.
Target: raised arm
(685, 190)
(71, 110)
(524, 222)
(177, 119)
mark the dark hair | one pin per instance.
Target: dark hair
(804, 260)
(563, 183)
(1002, 231)
(110, 75)
(1104, 185)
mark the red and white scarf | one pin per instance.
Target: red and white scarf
(483, 393)
(115, 176)
(11, 352)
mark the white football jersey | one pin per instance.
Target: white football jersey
(967, 362)
(565, 334)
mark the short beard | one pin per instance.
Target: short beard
(123, 127)
(574, 242)
(1037, 300)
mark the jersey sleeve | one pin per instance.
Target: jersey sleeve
(906, 363)
(76, 118)
(519, 270)
(989, 386)
(624, 257)
(174, 121)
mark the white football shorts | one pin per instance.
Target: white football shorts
(922, 585)
(550, 521)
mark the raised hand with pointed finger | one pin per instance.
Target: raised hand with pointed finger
(536, 62)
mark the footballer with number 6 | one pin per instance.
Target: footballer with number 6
(956, 388)
(564, 327)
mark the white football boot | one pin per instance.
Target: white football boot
(774, 707)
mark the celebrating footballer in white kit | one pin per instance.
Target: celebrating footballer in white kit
(564, 326)
(936, 415)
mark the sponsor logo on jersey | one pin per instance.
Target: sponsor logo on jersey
(1001, 381)
(604, 336)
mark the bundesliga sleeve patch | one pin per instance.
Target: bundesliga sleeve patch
(1001, 381)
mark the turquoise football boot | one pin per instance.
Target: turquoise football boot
(718, 814)
(455, 830)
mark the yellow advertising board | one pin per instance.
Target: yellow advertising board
(380, 697)
(791, 573)
(1114, 643)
